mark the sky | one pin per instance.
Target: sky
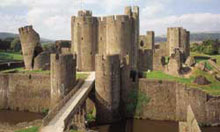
(51, 18)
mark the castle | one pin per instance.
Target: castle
(112, 47)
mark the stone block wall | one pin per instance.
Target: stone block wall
(63, 76)
(116, 34)
(169, 101)
(145, 59)
(191, 124)
(25, 92)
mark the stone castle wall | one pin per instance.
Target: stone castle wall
(25, 92)
(191, 124)
(63, 76)
(178, 38)
(105, 35)
(145, 61)
(169, 101)
(107, 90)
(84, 40)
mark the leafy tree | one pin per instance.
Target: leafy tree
(16, 45)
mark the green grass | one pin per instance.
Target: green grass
(10, 56)
(81, 75)
(162, 76)
(213, 88)
(22, 70)
(32, 129)
(217, 57)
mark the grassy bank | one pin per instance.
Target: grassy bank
(31, 129)
(213, 88)
(217, 57)
(10, 56)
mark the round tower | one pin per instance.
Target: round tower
(118, 35)
(30, 43)
(84, 40)
(107, 90)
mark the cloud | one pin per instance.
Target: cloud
(51, 18)
(200, 22)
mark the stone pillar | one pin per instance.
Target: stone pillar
(107, 91)
(63, 76)
(30, 43)
(150, 40)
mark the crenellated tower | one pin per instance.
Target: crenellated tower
(84, 30)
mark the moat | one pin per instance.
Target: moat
(146, 126)
(15, 117)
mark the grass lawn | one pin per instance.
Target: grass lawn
(81, 75)
(10, 56)
(217, 57)
(22, 70)
(213, 88)
(31, 129)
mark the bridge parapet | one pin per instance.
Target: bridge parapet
(72, 114)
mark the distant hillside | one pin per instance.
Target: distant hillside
(4, 35)
(194, 37)
(7, 35)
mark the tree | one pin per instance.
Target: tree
(16, 45)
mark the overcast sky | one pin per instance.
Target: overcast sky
(51, 18)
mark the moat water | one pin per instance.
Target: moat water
(146, 126)
(14, 117)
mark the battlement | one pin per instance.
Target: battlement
(86, 19)
(25, 29)
(129, 10)
(83, 13)
(114, 18)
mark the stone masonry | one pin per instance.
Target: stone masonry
(191, 125)
(178, 37)
(84, 40)
(107, 90)
(30, 42)
(63, 76)
(105, 35)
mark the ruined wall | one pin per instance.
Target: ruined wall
(25, 92)
(145, 61)
(178, 37)
(173, 39)
(84, 40)
(169, 101)
(158, 61)
(30, 43)
(62, 44)
(150, 40)
(42, 61)
(63, 76)
(107, 88)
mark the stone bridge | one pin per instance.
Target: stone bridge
(70, 112)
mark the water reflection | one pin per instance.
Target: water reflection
(146, 126)
(140, 126)
(14, 117)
